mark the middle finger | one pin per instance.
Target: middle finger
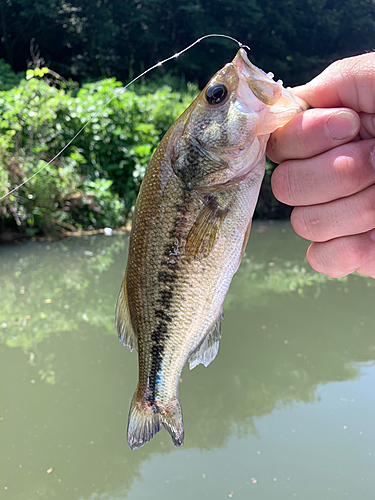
(340, 172)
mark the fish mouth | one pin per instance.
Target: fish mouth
(260, 84)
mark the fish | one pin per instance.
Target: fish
(191, 224)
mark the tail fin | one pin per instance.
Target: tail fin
(145, 421)
(171, 418)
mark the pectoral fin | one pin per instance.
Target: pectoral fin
(207, 350)
(125, 331)
(204, 232)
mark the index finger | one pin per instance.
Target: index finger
(345, 83)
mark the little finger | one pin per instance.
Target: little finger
(347, 216)
(342, 256)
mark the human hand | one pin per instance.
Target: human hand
(327, 167)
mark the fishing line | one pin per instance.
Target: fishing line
(117, 94)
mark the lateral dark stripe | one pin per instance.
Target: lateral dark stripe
(159, 335)
(167, 278)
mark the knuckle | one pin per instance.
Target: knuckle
(367, 218)
(347, 173)
(364, 214)
(302, 144)
(353, 168)
(358, 73)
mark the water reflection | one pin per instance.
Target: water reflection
(67, 382)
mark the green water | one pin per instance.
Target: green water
(287, 409)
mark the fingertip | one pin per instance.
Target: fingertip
(320, 261)
(309, 258)
(277, 182)
(342, 256)
(312, 260)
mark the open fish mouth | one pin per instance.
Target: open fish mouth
(260, 84)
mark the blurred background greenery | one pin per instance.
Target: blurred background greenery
(61, 61)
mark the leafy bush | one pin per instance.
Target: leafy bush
(94, 182)
(8, 78)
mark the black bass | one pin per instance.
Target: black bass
(190, 228)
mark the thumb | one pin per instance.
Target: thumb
(345, 83)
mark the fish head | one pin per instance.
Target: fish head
(227, 127)
(239, 102)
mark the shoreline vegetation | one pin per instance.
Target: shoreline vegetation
(61, 61)
(93, 184)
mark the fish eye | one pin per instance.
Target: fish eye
(216, 93)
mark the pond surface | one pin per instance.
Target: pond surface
(286, 410)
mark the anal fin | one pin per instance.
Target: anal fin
(208, 349)
(125, 331)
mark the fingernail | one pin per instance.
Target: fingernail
(342, 125)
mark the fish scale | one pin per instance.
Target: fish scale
(190, 227)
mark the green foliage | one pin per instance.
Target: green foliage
(8, 78)
(294, 39)
(109, 211)
(94, 182)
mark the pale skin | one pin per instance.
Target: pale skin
(327, 167)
